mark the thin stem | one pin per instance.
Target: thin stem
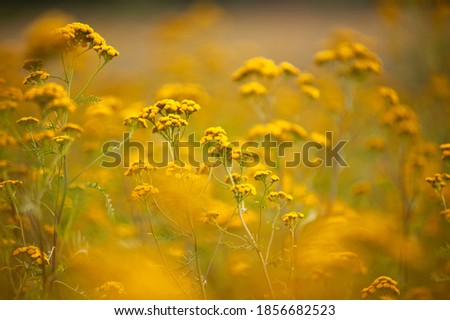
(88, 83)
(291, 268)
(163, 260)
(272, 233)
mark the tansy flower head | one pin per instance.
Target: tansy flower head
(310, 91)
(72, 130)
(179, 171)
(252, 88)
(135, 123)
(305, 78)
(289, 69)
(241, 191)
(261, 175)
(279, 196)
(389, 95)
(62, 140)
(36, 77)
(445, 151)
(143, 191)
(215, 135)
(291, 219)
(32, 253)
(383, 287)
(28, 122)
(137, 167)
(258, 66)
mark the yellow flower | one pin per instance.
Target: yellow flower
(243, 190)
(253, 88)
(143, 191)
(28, 122)
(305, 78)
(384, 286)
(324, 56)
(258, 66)
(50, 96)
(445, 151)
(289, 69)
(36, 77)
(261, 175)
(311, 91)
(216, 135)
(137, 167)
(72, 129)
(291, 219)
(389, 94)
(62, 140)
(279, 196)
(34, 253)
(135, 123)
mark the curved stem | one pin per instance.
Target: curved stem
(272, 233)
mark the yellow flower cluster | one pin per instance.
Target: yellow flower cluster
(217, 135)
(143, 191)
(181, 172)
(72, 129)
(253, 88)
(261, 175)
(282, 130)
(243, 190)
(439, 181)
(112, 289)
(389, 95)
(445, 148)
(11, 183)
(306, 82)
(386, 287)
(137, 167)
(28, 122)
(34, 253)
(62, 140)
(402, 120)
(36, 77)
(166, 113)
(237, 178)
(77, 34)
(50, 96)
(135, 123)
(291, 219)
(278, 196)
(350, 59)
(258, 66)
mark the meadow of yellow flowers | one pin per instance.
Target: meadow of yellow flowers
(223, 173)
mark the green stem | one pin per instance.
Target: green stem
(158, 247)
(88, 83)
(272, 233)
